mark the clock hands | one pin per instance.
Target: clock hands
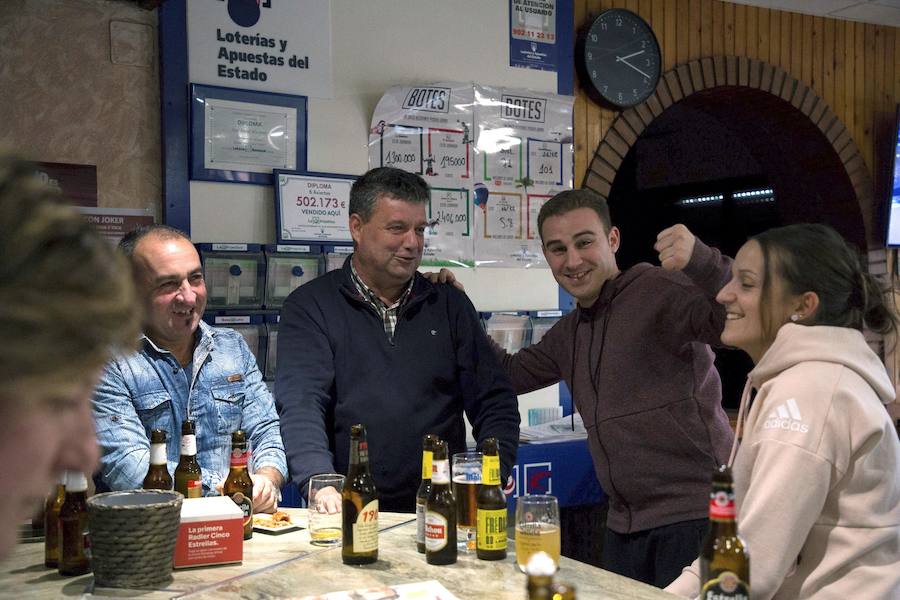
(623, 59)
(627, 56)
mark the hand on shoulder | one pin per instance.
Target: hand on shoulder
(444, 276)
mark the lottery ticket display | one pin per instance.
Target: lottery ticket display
(492, 157)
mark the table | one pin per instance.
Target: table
(289, 566)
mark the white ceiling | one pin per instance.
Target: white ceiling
(880, 12)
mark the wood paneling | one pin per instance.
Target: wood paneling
(853, 67)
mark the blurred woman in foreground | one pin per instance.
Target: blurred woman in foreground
(816, 460)
(66, 301)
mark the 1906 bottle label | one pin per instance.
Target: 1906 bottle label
(365, 529)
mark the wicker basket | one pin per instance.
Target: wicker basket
(133, 537)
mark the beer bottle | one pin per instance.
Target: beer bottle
(359, 504)
(158, 477)
(238, 484)
(540, 570)
(74, 557)
(440, 511)
(424, 489)
(187, 473)
(490, 536)
(724, 560)
(51, 523)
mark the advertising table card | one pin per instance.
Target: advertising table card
(211, 532)
(312, 207)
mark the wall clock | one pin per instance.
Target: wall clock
(618, 59)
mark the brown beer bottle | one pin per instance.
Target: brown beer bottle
(158, 477)
(51, 523)
(74, 551)
(238, 484)
(724, 560)
(187, 473)
(490, 537)
(440, 511)
(540, 570)
(359, 504)
(424, 489)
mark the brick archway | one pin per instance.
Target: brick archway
(733, 71)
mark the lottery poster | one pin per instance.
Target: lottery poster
(491, 156)
(524, 146)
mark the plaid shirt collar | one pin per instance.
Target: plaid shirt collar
(388, 313)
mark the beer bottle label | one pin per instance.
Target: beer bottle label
(157, 454)
(435, 531)
(245, 504)
(420, 522)
(721, 505)
(239, 458)
(189, 445)
(440, 472)
(426, 463)
(491, 470)
(194, 488)
(725, 586)
(491, 533)
(365, 529)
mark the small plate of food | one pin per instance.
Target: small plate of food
(277, 523)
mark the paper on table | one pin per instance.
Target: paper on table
(554, 431)
(421, 590)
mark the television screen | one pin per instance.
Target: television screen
(893, 234)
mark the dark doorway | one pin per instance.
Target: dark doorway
(729, 163)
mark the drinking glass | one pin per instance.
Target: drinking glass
(466, 479)
(537, 528)
(324, 528)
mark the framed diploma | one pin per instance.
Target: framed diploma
(241, 136)
(312, 207)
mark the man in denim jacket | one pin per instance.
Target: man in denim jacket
(184, 369)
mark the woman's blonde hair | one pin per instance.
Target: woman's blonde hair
(66, 296)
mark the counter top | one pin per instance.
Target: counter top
(288, 565)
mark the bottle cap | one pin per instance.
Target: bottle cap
(541, 565)
(76, 481)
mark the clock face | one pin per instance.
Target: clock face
(619, 59)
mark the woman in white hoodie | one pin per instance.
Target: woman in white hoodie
(816, 460)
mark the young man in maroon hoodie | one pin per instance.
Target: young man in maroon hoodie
(636, 359)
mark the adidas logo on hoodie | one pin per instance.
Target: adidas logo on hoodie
(786, 416)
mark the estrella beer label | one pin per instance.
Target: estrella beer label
(435, 531)
(491, 529)
(721, 505)
(245, 504)
(725, 586)
(365, 529)
(238, 458)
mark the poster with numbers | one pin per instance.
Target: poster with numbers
(524, 141)
(491, 156)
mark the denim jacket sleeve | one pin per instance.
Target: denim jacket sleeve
(259, 418)
(124, 447)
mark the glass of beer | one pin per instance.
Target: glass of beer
(325, 527)
(466, 479)
(537, 528)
